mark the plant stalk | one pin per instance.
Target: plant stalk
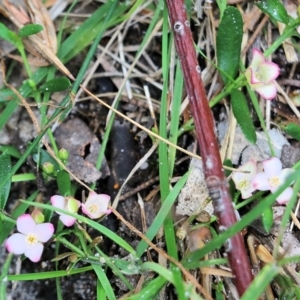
(204, 125)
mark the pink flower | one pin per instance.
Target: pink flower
(67, 203)
(273, 178)
(261, 75)
(29, 240)
(243, 180)
(96, 205)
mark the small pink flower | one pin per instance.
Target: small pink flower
(243, 180)
(273, 178)
(29, 240)
(67, 203)
(96, 205)
(261, 75)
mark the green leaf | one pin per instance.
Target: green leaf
(11, 150)
(5, 167)
(43, 157)
(64, 183)
(9, 36)
(242, 114)
(57, 84)
(274, 9)
(229, 40)
(30, 29)
(293, 130)
(267, 219)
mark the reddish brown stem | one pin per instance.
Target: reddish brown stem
(214, 173)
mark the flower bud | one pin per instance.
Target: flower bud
(63, 154)
(38, 216)
(48, 168)
(31, 83)
(72, 205)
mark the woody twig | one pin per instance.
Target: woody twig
(204, 125)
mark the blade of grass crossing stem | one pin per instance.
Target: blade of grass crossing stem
(175, 116)
(104, 282)
(3, 277)
(163, 159)
(162, 214)
(157, 268)
(261, 281)
(150, 290)
(191, 260)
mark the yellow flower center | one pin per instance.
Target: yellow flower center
(31, 239)
(243, 184)
(93, 208)
(274, 181)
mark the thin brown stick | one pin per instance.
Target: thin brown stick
(204, 125)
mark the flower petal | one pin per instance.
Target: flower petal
(44, 232)
(67, 220)
(267, 91)
(85, 210)
(255, 77)
(59, 202)
(257, 60)
(272, 167)
(260, 182)
(247, 193)
(243, 180)
(285, 196)
(92, 197)
(268, 71)
(34, 253)
(103, 201)
(26, 224)
(16, 243)
(285, 173)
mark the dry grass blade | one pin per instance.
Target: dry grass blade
(42, 46)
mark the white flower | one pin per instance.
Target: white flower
(243, 181)
(261, 75)
(273, 178)
(96, 205)
(29, 240)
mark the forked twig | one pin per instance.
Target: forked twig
(204, 125)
